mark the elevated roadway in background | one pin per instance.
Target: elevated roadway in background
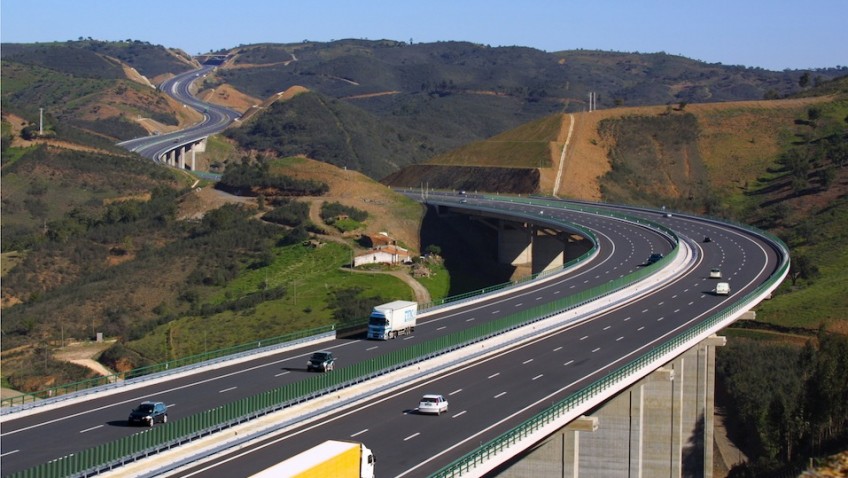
(171, 148)
(488, 396)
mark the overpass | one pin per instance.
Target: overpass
(183, 153)
(591, 379)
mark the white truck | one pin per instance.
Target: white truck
(389, 320)
(333, 458)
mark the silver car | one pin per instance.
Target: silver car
(432, 403)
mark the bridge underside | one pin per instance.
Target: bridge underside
(530, 248)
(660, 426)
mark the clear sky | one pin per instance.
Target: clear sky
(772, 34)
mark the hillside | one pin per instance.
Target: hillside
(89, 270)
(91, 92)
(437, 97)
(421, 100)
(765, 163)
(330, 131)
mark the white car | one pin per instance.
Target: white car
(722, 288)
(715, 273)
(432, 403)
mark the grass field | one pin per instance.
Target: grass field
(309, 276)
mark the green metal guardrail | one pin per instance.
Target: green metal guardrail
(194, 359)
(615, 378)
(161, 367)
(177, 432)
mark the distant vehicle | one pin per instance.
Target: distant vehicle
(462, 193)
(655, 257)
(707, 239)
(722, 288)
(463, 201)
(322, 361)
(668, 214)
(432, 403)
(148, 413)
(333, 458)
(389, 320)
(715, 273)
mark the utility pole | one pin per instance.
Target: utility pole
(40, 121)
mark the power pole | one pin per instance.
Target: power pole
(40, 121)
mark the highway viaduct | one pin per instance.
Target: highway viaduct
(663, 425)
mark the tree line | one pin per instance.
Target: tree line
(785, 403)
(247, 177)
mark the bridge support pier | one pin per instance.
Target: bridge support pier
(530, 246)
(515, 243)
(660, 426)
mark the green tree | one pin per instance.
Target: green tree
(827, 388)
(804, 81)
(813, 115)
(802, 267)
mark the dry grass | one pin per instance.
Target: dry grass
(586, 156)
(730, 132)
(387, 211)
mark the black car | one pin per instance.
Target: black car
(654, 258)
(321, 361)
(148, 413)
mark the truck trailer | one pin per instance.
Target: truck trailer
(389, 320)
(333, 458)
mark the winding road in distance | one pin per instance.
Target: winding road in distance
(215, 118)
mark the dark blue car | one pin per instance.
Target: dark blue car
(148, 413)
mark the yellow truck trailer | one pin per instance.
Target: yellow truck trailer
(333, 458)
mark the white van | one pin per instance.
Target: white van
(722, 288)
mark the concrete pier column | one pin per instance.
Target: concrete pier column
(548, 249)
(181, 157)
(556, 456)
(515, 243)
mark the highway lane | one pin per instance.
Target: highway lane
(490, 396)
(51, 434)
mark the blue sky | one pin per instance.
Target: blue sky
(772, 34)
